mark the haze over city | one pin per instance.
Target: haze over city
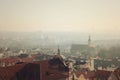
(87, 16)
(59, 39)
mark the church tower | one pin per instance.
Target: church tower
(58, 51)
(89, 40)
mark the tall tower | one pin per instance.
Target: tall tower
(58, 51)
(89, 40)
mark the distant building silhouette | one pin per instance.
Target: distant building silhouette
(83, 49)
(89, 41)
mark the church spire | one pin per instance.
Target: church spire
(58, 51)
(89, 40)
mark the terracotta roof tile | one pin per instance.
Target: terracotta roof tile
(32, 71)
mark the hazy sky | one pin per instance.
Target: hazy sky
(97, 16)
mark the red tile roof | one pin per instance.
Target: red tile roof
(117, 73)
(50, 74)
(26, 59)
(93, 74)
(9, 60)
(8, 73)
(103, 73)
(29, 70)
(87, 74)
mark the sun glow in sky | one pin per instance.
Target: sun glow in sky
(97, 16)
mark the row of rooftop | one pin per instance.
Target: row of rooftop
(56, 67)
